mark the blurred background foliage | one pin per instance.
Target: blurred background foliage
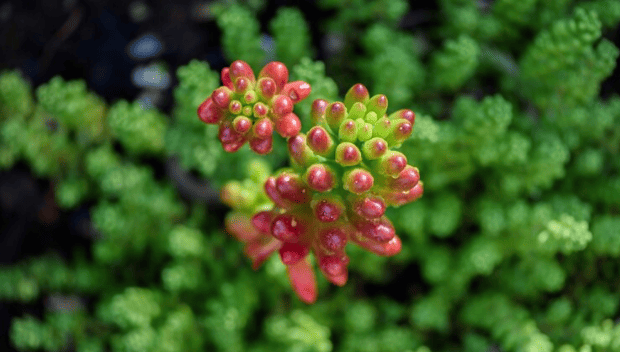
(111, 234)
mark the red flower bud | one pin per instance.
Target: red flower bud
(378, 104)
(334, 268)
(319, 140)
(235, 107)
(403, 114)
(400, 131)
(233, 146)
(332, 239)
(288, 125)
(240, 69)
(228, 135)
(273, 194)
(369, 207)
(379, 230)
(242, 124)
(328, 209)
(262, 221)
(303, 280)
(291, 253)
(226, 78)
(387, 249)
(221, 97)
(260, 110)
(358, 181)
(347, 154)
(241, 84)
(209, 113)
(263, 128)
(320, 178)
(276, 71)
(406, 180)
(266, 87)
(287, 228)
(297, 91)
(291, 188)
(347, 132)
(281, 105)
(261, 146)
(317, 111)
(392, 163)
(374, 148)
(357, 93)
(401, 198)
(335, 113)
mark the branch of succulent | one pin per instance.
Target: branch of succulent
(344, 172)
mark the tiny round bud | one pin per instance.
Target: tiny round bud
(347, 131)
(282, 105)
(400, 131)
(263, 128)
(328, 210)
(403, 114)
(333, 239)
(233, 146)
(288, 125)
(374, 148)
(332, 266)
(235, 107)
(221, 97)
(277, 71)
(358, 181)
(250, 97)
(291, 188)
(357, 93)
(261, 146)
(227, 134)
(369, 207)
(209, 113)
(260, 110)
(378, 104)
(347, 154)
(241, 69)
(406, 179)
(317, 111)
(392, 163)
(266, 87)
(297, 91)
(291, 253)
(335, 113)
(242, 124)
(319, 140)
(262, 221)
(286, 228)
(319, 178)
(241, 84)
(380, 230)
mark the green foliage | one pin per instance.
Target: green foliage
(513, 247)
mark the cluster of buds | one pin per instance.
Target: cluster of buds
(249, 109)
(344, 173)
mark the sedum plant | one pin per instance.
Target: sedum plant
(513, 247)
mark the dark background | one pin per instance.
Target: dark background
(89, 40)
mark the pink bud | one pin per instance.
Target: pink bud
(209, 113)
(297, 91)
(260, 110)
(403, 114)
(266, 87)
(291, 253)
(328, 210)
(400, 131)
(242, 124)
(319, 140)
(288, 125)
(263, 128)
(334, 268)
(286, 228)
(392, 163)
(347, 154)
(226, 78)
(401, 198)
(241, 84)
(369, 207)
(261, 146)
(241, 69)
(380, 230)
(276, 71)
(281, 105)
(387, 249)
(221, 97)
(303, 281)
(407, 178)
(291, 188)
(273, 194)
(317, 111)
(262, 221)
(374, 148)
(357, 93)
(233, 146)
(319, 178)
(378, 104)
(235, 107)
(335, 113)
(333, 239)
(358, 181)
